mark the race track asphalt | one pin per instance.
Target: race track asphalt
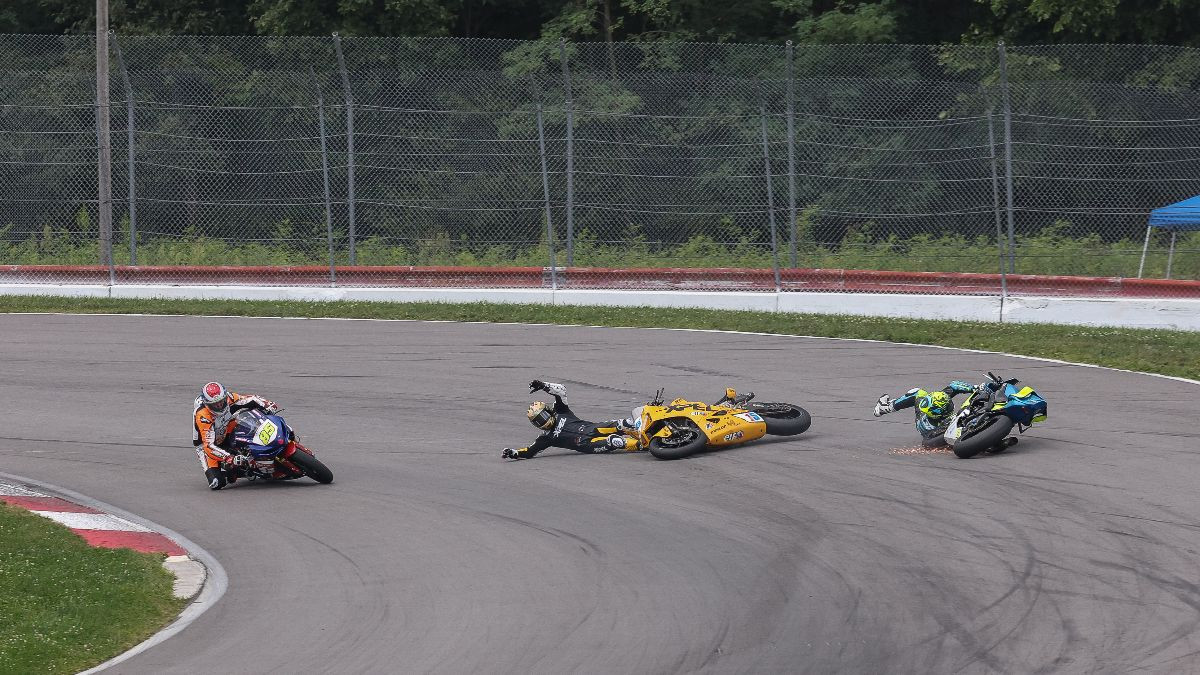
(1076, 551)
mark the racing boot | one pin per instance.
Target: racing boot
(1003, 445)
(216, 479)
(623, 442)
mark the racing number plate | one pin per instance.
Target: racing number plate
(266, 433)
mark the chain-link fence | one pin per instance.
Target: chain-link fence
(442, 162)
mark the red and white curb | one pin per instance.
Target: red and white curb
(203, 571)
(105, 530)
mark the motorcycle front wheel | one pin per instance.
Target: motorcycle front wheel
(988, 434)
(686, 440)
(311, 466)
(783, 419)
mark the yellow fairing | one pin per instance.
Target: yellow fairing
(722, 425)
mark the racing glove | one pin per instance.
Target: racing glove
(962, 387)
(536, 385)
(884, 406)
(511, 453)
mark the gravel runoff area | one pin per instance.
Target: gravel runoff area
(1073, 552)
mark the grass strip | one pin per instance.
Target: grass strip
(66, 606)
(1154, 351)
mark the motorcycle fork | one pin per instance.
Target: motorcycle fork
(284, 458)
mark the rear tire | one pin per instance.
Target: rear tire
(783, 419)
(984, 438)
(311, 466)
(687, 441)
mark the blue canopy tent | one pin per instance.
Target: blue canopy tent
(1184, 215)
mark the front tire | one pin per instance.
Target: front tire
(783, 419)
(990, 434)
(687, 440)
(312, 467)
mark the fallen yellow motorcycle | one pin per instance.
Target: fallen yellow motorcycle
(681, 428)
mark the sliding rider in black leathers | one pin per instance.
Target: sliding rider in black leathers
(561, 428)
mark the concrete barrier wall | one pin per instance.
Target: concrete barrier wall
(1180, 314)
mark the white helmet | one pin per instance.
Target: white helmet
(215, 397)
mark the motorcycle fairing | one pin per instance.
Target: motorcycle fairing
(264, 436)
(723, 424)
(1024, 406)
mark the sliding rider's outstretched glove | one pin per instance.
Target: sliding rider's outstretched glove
(552, 388)
(884, 406)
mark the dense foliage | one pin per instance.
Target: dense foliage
(823, 21)
(893, 143)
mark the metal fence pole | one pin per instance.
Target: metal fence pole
(103, 140)
(1008, 168)
(1171, 253)
(996, 211)
(349, 96)
(770, 195)
(791, 148)
(129, 130)
(546, 192)
(325, 176)
(570, 109)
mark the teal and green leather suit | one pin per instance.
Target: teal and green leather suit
(931, 422)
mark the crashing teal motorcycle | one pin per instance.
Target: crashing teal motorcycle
(990, 413)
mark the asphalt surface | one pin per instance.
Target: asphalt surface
(828, 552)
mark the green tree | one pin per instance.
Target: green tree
(353, 17)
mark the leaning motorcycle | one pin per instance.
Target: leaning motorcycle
(682, 427)
(990, 413)
(265, 447)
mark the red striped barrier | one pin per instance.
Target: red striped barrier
(654, 278)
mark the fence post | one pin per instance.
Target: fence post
(770, 194)
(103, 141)
(325, 176)
(996, 211)
(546, 193)
(129, 129)
(570, 110)
(791, 147)
(1171, 253)
(349, 96)
(1008, 169)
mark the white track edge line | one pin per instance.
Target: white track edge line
(215, 583)
(579, 325)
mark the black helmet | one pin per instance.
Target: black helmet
(540, 415)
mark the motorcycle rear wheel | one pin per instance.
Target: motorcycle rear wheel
(688, 440)
(783, 419)
(985, 437)
(312, 467)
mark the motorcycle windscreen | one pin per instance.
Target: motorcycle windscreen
(263, 435)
